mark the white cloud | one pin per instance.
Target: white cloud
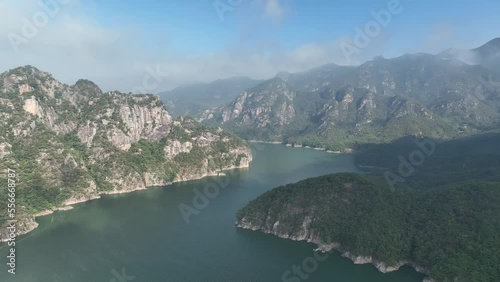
(73, 46)
(445, 36)
(440, 38)
(274, 9)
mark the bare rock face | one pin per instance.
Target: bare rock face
(132, 118)
(86, 133)
(5, 150)
(237, 109)
(151, 121)
(120, 139)
(270, 105)
(265, 109)
(48, 116)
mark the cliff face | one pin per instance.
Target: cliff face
(306, 233)
(261, 113)
(69, 144)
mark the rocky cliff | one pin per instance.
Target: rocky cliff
(261, 113)
(305, 233)
(69, 144)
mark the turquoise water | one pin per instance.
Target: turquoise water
(142, 236)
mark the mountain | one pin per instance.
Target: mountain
(314, 79)
(69, 144)
(488, 50)
(196, 98)
(443, 220)
(264, 109)
(336, 107)
(487, 55)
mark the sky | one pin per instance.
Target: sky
(156, 45)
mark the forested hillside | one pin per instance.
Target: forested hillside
(443, 219)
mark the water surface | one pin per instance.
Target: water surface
(144, 234)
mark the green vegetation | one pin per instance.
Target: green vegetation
(452, 232)
(471, 158)
(146, 154)
(445, 217)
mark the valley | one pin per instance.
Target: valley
(413, 181)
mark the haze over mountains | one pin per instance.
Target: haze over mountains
(487, 55)
(440, 96)
(193, 99)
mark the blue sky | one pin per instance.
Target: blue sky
(113, 42)
(194, 25)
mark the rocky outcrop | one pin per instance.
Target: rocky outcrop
(75, 143)
(48, 116)
(270, 104)
(266, 109)
(173, 148)
(87, 132)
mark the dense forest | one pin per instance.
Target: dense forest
(445, 217)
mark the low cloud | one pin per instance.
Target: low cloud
(274, 9)
(466, 56)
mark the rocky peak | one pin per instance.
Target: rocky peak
(492, 48)
(273, 84)
(87, 88)
(28, 79)
(27, 71)
(284, 75)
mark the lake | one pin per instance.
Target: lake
(143, 236)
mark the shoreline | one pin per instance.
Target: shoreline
(325, 248)
(68, 205)
(344, 151)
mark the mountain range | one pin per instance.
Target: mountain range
(335, 107)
